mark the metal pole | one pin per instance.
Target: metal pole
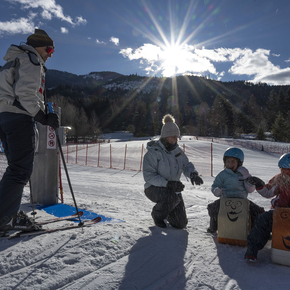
(87, 154)
(60, 183)
(110, 155)
(65, 168)
(31, 200)
(125, 156)
(68, 179)
(211, 159)
(141, 158)
(99, 154)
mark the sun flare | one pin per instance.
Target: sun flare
(173, 58)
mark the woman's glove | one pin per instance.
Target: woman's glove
(50, 119)
(259, 183)
(195, 178)
(218, 191)
(175, 186)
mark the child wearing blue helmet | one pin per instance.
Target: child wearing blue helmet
(279, 188)
(232, 182)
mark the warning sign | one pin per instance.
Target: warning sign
(51, 138)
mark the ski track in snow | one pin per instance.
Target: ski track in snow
(145, 257)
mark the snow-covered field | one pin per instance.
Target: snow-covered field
(145, 257)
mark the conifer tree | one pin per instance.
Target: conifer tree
(281, 129)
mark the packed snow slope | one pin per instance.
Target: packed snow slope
(144, 256)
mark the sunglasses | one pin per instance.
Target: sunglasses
(50, 50)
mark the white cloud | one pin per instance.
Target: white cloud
(276, 55)
(287, 60)
(251, 63)
(115, 40)
(80, 20)
(257, 64)
(21, 25)
(100, 42)
(187, 59)
(63, 30)
(170, 61)
(50, 9)
(46, 15)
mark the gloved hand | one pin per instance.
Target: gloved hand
(218, 191)
(195, 178)
(175, 186)
(259, 183)
(50, 119)
(244, 171)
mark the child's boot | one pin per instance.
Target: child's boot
(212, 225)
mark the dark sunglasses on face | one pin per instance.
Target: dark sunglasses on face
(50, 50)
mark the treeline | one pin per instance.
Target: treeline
(201, 107)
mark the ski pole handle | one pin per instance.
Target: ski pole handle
(50, 107)
(50, 110)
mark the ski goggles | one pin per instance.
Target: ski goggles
(50, 50)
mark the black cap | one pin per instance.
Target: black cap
(39, 38)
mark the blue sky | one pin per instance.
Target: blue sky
(224, 39)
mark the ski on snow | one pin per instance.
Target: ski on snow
(58, 219)
(19, 234)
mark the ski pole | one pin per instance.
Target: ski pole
(50, 109)
(31, 200)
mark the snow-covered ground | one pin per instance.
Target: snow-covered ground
(145, 257)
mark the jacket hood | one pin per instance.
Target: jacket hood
(153, 144)
(14, 51)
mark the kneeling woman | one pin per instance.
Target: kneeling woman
(163, 165)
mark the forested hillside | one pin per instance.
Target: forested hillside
(107, 101)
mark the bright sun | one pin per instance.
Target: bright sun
(173, 59)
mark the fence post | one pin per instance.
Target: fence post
(99, 154)
(66, 153)
(125, 156)
(87, 154)
(77, 153)
(110, 155)
(183, 147)
(141, 157)
(211, 159)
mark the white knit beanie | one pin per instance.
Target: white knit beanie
(169, 127)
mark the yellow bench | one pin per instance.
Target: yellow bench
(281, 236)
(233, 221)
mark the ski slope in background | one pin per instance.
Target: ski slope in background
(145, 257)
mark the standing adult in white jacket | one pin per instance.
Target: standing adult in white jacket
(22, 85)
(163, 165)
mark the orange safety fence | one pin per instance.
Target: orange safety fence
(130, 156)
(119, 155)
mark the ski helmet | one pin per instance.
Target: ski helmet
(284, 161)
(236, 153)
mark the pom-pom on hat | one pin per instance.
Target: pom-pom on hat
(39, 38)
(169, 127)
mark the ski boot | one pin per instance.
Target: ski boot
(20, 222)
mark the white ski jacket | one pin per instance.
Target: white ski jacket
(22, 81)
(161, 166)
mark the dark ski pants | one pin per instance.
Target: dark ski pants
(260, 233)
(213, 211)
(17, 133)
(169, 205)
